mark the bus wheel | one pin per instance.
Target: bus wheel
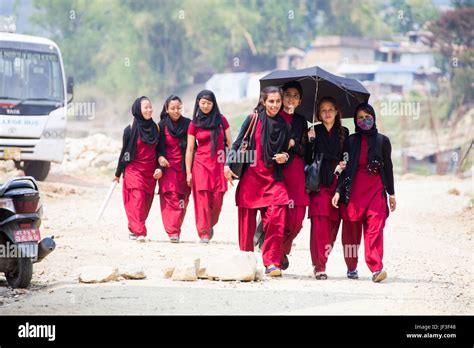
(37, 169)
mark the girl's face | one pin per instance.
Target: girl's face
(291, 100)
(146, 108)
(205, 105)
(327, 113)
(273, 104)
(365, 120)
(174, 109)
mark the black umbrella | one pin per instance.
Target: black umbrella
(318, 83)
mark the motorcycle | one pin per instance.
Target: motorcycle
(20, 240)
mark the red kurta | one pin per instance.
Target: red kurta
(293, 175)
(366, 211)
(208, 181)
(294, 179)
(367, 191)
(325, 221)
(257, 188)
(321, 202)
(139, 186)
(139, 172)
(174, 191)
(208, 169)
(174, 176)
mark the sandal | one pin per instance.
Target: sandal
(320, 275)
(378, 276)
(353, 274)
(273, 271)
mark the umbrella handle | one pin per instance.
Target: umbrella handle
(106, 200)
(315, 100)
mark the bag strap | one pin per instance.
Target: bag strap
(255, 118)
(251, 127)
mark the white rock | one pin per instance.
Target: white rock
(132, 272)
(104, 160)
(75, 150)
(7, 166)
(168, 272)
(112, 165)
(240, 265)
(187, 269)
(11, 174)
(89, 156)
(98, 274)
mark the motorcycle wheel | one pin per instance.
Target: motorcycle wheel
(21, 276)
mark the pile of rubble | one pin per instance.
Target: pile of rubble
(96, 152)
(8, 170)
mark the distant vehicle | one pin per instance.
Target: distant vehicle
(33, 103)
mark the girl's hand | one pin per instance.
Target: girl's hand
(281, 158)
(116, 179)
(393, 203)
(163, 162)
(229, 175)
(189, 179)
(343, 164)
(335, 200)
(158, 173)
(291, 144)
(311, 133)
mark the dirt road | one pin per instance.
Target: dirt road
(428, 256)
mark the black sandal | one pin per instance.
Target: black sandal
(320, 276)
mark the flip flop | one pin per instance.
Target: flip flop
(273, 271)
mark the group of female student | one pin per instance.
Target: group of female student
(185, 155)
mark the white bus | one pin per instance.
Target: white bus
(33, 102)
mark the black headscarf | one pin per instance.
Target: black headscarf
(328, 143)
(177, 130)
(374, 155)
(274, 139)
(146, 129)
(212, 120)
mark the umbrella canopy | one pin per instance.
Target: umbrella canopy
(318, 83)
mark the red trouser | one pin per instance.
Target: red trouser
(293, 226)
(273, 218)
(373, 242)
(137, 206)
(207, 207)
(323, 235)
(173, 209)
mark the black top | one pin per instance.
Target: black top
(383, 150)
(299, 133)
(283, 139)
(328, 143)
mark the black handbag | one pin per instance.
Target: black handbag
(312, 173)
(237, 164)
